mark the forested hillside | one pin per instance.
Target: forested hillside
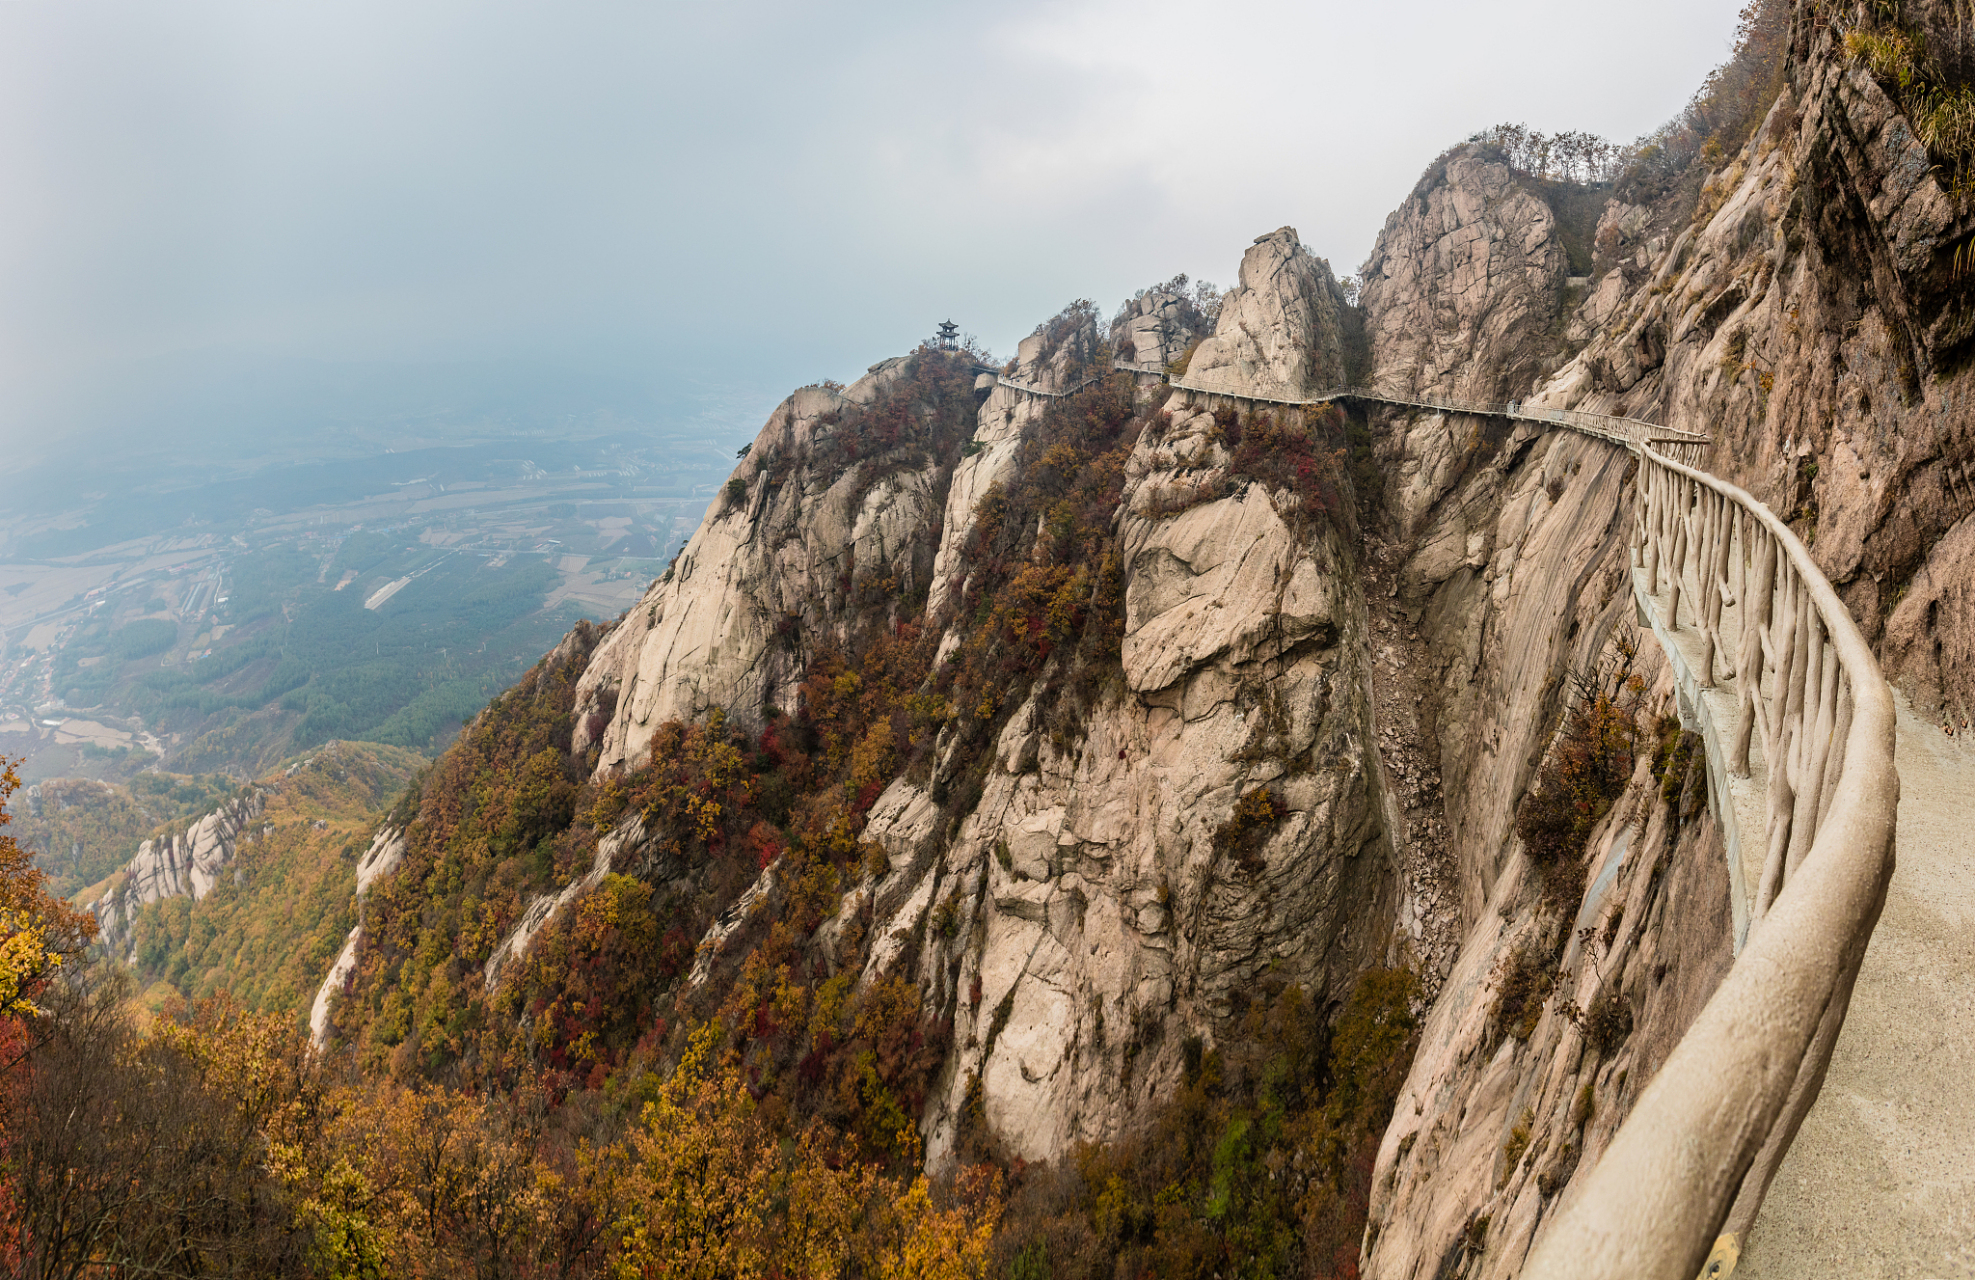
(1047, 821)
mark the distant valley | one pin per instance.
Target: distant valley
(179, 609)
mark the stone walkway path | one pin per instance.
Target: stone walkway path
(1881, 1178)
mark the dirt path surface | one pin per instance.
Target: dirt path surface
(1881, 1179)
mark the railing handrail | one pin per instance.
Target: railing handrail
(1627, 431)
(1003, 380)
(1695, 1155)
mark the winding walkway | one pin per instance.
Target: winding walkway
(1684, 446)
(1881, 1178)
(1802, 746)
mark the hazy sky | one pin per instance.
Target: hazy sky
(756, 193)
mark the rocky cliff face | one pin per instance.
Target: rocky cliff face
(1304, 753)
(1054, 359)
(1810, 315)
(798, 530)
(387, 849)
(1159, 328)
(1279, 334)
(1465, 283)
(1499, 571)
(1508, 1097)
(1104, 923)
(186, 864)
(1805, 312)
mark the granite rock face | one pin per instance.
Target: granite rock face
(1103, 925)
(793, 536)
(1464, 282)
(1500, 1111)
(1157, 332)
(1278, 334)
(183, 865)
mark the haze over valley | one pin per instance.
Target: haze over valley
(283, 555)
(1072, 641)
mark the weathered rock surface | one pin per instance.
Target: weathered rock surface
(1157, 332)
(797, 534)
(1093, 922)
(1278, 334)
(184, 865)
(1464, 283)
(1809, 318)
(1396, 696)
(1507, 543)
(1507, 540)
(1495, 1118)
(1103, 925)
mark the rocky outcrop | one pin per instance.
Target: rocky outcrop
(1104, 924)
(801, 528)
(1507, 577)
(1278, 336)
(1156, 330)
(1464, 283)
(387, 849)
(183, 865)
(1807, 314)
(1504, 540)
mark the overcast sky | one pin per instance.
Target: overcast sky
(753, 193)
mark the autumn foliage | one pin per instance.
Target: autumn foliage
(686, 1063)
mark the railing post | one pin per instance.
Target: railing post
(1756, 603)
(1799, 716)
(1679, 557)
(1708, 584)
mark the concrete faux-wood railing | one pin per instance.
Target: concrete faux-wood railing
(1003, 380)
(1800, 738)
(1688, 1169)
(1689, 445)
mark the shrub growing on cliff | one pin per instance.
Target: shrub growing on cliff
(1584, 771)
(1247, 828)
(1608, 1021)
(1304, 457)
(1522, 982)
(1260, 1165)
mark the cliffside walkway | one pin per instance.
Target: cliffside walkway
(1683, 445)
(1687, 446)
(1881, 1178)
(1799, 727)
(1003, 380)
